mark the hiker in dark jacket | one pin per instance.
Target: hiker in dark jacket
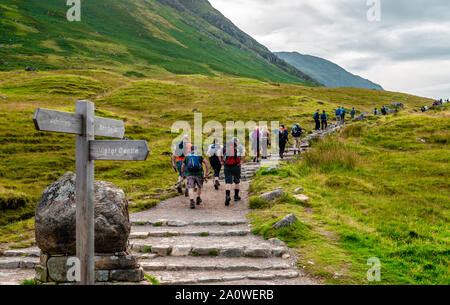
(296, 133)
(233, 157)
(215, 153)
(323, 119)
(343, 113)
(352, 113)
(316, 118)
(283, 138)
(192, 168)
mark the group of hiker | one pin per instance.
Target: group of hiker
(383, 111)
(436, 103)
(193, 167)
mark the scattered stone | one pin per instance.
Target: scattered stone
(286, 256)
(270, 196)
(278, 252)
(286, 221)
(302, 198)
(299, 189)
(277, 242)
(55, 218)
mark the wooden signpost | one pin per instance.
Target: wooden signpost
(86, 126)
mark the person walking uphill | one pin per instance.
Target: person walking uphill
(181, 150)
(192, 169)
(297, 136)
(352, 113)
(343, 113)
(337, 113)
(234, 155)
(283, 138)
(215, 159)
(316, 118)
(323, 119)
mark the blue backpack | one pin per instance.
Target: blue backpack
(194, 165)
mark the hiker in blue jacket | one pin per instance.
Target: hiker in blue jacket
(316, 118)
(338, 115)
(192, 168)
(343, 113)
(352, 113)
(323, 119)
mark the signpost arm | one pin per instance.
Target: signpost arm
(85, 194)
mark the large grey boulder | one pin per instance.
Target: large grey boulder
(270, 196)
(55, 221)
(286, 221)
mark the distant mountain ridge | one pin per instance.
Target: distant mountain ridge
(326, 72)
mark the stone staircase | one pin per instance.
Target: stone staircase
(212, 244)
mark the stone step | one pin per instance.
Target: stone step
(189, 263)
(229, 246)
(18, 263)
(180, 223)
(15, 276)
(192, 278)
(27, 252)
(150, 231)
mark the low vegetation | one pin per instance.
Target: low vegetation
(378, 189)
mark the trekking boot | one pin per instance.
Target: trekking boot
(236, 196)
(186, 193)
(179, 189)
(192, 204)
(216, 185)
(199, 201)
(227, 201)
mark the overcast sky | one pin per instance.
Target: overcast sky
(408, 50)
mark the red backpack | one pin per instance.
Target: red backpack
(232, 160)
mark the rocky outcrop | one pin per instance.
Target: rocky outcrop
(55, 223)
(286, 221)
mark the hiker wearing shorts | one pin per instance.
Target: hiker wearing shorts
(234, 155)
(180, 151)
(192, 169)
(297, 137)
(215, 156)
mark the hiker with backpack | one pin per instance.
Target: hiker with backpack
(352, 113)
(316, 118)
(383, 110)
(256, 144)
(337, 113)
(181, 150)
(323, 119)
(265, 142)
(343, 113)
(215, 156)
(297, 132)
(233, 157)
(283, 138)
(192, 169)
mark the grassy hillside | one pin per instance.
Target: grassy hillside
(378, 189)
(31, 160)
(326, 72)
(134, 38)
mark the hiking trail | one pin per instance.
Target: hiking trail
(212, 244)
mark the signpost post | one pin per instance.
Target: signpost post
(86, 126)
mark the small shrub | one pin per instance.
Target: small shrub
(157, 224)
(213, 253)
(13, 200)
(152, 279)
(29, 282)
(257, 203)
(204, 234)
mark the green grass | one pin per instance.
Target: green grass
(133, 38)
(376, 191)
(152, 279)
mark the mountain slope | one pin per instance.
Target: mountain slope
(135, 38)
(326, 72)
